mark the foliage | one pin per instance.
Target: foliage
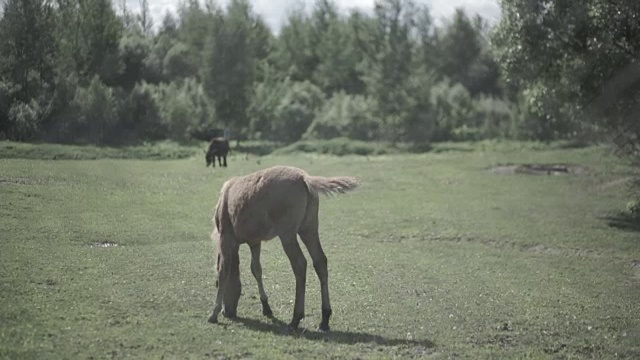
(391, 75)
(296, 110)
(97, 111)
(574, 61)
(340, 147)
(185, 109)
(264, 105)
(344, 115)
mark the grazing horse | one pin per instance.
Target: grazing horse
(279, 201)
(218, 147)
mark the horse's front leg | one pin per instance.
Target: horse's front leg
(229, 286)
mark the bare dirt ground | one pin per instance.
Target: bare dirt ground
(540, 169)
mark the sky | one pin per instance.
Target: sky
(274, 12)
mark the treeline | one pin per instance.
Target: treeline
(78, 71)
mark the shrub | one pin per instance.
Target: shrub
(339, 147)
(345, 115)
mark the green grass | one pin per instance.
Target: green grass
(432, 257)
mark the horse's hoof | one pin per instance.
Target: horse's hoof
(213, 319)
(291, 329)
(323, 327)
(266, 309)
(229, 314)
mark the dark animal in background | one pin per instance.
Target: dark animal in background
(279, 201)
(218, 147)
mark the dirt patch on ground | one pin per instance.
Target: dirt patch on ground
(103, 244)
(616, 183)
(539, 169)
(635, 265)
(543, 249)
(17, 181)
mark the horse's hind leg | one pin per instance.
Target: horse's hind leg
(256, 269)
(223, 274)
(299, 267)
(311, 240)
(224, 157)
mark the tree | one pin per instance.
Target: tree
(135, 48)
(294, 54)
(576, 63)
(195, 28)
(464, 56)
(26, 66)
(96, 40)
(337, 55)
(144, 18)
(230, 64)
(27, 47)
(97, 111)
(389, 54)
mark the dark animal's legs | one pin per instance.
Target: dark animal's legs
(220, 160)
(299, 267)
(256, 269)
(311, 240)
(225, 160)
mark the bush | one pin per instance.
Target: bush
(496, 118)
(282, 110)
(296, 111)
(97, 111)
(178, 64)
(134, 48)
(140, 117)
(266, 98)
(150, 151)
(340, 147)
(345, 115)
(25, 119)
(453, 109)
(185, 109)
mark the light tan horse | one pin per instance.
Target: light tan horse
(279, 201)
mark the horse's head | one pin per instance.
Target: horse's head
(209, 157)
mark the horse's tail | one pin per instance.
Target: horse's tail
(331, 185)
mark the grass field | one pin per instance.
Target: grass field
(434, 257)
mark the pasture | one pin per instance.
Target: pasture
(433, 256)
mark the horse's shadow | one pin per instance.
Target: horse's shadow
(623, 221)
(278, 327)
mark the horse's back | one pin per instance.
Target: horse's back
(219, 145)
(267, 203)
